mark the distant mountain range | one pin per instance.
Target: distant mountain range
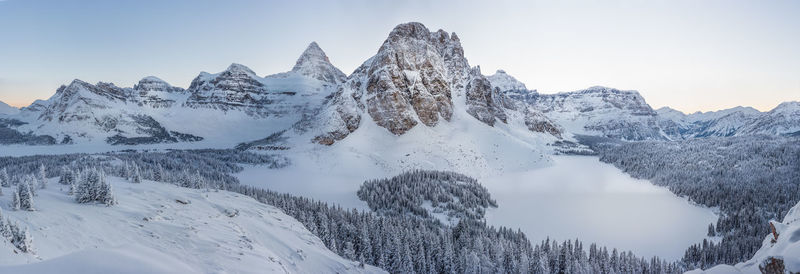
(418, 78)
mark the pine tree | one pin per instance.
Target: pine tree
(137, 175)
(108, 194)
(32, 183)
(15, 203)
(158, 173)
(349, 251)
(23, 240)
(5, 181)
(25, 195)
(127, 172)
(41, 177)
(711, 231)
(67, 177)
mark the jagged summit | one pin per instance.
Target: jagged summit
(314, 63)
(416, 77)
(313, 53)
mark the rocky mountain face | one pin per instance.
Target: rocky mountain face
(598, 111)
(156, 93)
(237, 87)
(415, 78)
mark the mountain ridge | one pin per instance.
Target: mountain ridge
(418, 77)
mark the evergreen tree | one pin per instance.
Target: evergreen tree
(67, 176)
(136, 174)
(25, 195)
(5, 181)
(15, 202)
(41, 177)
(711, 231)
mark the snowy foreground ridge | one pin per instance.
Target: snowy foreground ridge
(779, 253)
(162, 228)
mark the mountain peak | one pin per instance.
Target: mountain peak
(312, 53)
(788, 107)
(152, 83)
(314, 63)
(239, 68)
(410, 29)
(505, 82)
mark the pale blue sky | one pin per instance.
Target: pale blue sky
(691, 55)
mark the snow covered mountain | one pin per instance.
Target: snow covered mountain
(234, 105)
(598, 110)
(279, 95)
(625, 115)
(417, 78)
(5, 109)
(161, 228)
(418, 104)
(779, 253)
(782, 120)
(508, 84)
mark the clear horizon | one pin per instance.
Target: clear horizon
(688, 55)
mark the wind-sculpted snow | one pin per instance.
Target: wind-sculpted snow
(194, 231)
(448, 196)
(751, 179)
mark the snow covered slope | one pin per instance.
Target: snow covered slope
(5, 109)
(161, 228)
(779, 253)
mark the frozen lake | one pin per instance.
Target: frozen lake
(581, 197)
(576, 197)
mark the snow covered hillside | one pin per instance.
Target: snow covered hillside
(161, 228)
(779, 253)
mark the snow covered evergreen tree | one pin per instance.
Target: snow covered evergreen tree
(67, 176)
(41, 177)
(94, 187)
(25, 194)
(136, 174)
(15, 203)
(5, 181)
